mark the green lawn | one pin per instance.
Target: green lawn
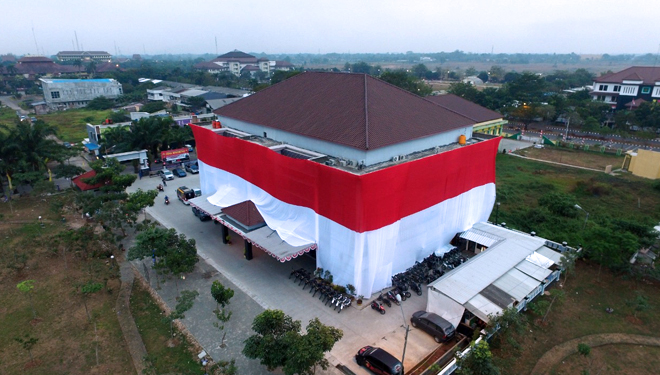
(521, 183)
(71, 123)
(7, 116)
(156, 336)
(66, 338)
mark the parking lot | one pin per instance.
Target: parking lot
(265, 280)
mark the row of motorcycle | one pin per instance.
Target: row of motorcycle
(422, 273)
(327, 294)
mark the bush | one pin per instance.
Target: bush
(100, 103)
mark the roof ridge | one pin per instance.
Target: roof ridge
(451, 110)
(366, 113)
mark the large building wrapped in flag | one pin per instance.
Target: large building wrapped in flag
(370, 176)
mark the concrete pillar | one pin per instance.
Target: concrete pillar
(225, 233)
(248, 250)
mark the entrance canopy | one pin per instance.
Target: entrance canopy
(239, 219)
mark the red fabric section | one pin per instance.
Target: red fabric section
(360, 203)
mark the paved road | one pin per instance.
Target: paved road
(9, 102)
(263, 283)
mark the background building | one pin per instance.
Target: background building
(371, 176)
(237, 63)
(98, 56)
(72, 93)
(629, 87)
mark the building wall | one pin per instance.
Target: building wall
(646, 164)
(79, 91)
(369, 157)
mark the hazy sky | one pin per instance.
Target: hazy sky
(292, 26)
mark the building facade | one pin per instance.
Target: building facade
(98, 56)
(625, 89)
(73, 93)
(370, 176)
(237, 63)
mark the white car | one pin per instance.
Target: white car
(166, 174)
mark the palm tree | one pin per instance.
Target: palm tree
(9, 153)
(149, 133)
(37, 145)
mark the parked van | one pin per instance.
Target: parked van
(184, 193)
(434, 325)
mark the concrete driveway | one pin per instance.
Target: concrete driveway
(265, 282)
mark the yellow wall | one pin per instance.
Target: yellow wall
(646, 164)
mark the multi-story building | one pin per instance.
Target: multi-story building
(369, 176)
(73, 93)
(99, 56)
(627, 88)
(237, 63)
(30, 66)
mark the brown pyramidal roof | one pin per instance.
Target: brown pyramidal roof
(245, 213)
(355, 110)
(465, 107)
(648, 74)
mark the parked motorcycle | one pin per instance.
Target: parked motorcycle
(378, 307)
(385, 300)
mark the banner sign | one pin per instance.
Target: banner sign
(173, 154)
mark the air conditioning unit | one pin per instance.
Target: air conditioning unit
(395, 158)
(342, 163)
(330, 162)
(352, 163)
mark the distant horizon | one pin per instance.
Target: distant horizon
(328, 53)
(127, 27)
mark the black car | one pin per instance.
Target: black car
(179, 172)
(203, 216)
(379, 361)
(434, 325)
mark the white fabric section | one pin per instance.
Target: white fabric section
(367, 260)
(444, 306)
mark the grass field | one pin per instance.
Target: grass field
(67, 342)
(71, 123)
(583, 313)
(520, 184)
(7, 116)
(579, 158)
(167, 355)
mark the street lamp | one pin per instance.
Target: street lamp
(406, 326)
(497, 212)
(586, 218)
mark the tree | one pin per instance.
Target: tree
(407, 82)
(196, 103)
(185, 303)
(68, 171)
(86, 289)
(26, 287)
(470, 71)
(279, 343)
(173, 253)
(27, 342)
(153, 106)
(420, 70)
(221, 295)
(478, 361)
(639, 303)
(483, 76)
(281, 75)
(466, 91)
(307, 352)
(100, 103)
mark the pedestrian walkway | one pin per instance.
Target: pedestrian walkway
(561, 351)
(129, 329)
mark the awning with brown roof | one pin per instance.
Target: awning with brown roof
(245, 220)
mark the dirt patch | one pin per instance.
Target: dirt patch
(579, 158)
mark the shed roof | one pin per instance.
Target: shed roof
(354, 110)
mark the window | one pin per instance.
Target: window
(617, 88)
(646, 90)
(54, 94)
(602, 88)
(600, 98)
